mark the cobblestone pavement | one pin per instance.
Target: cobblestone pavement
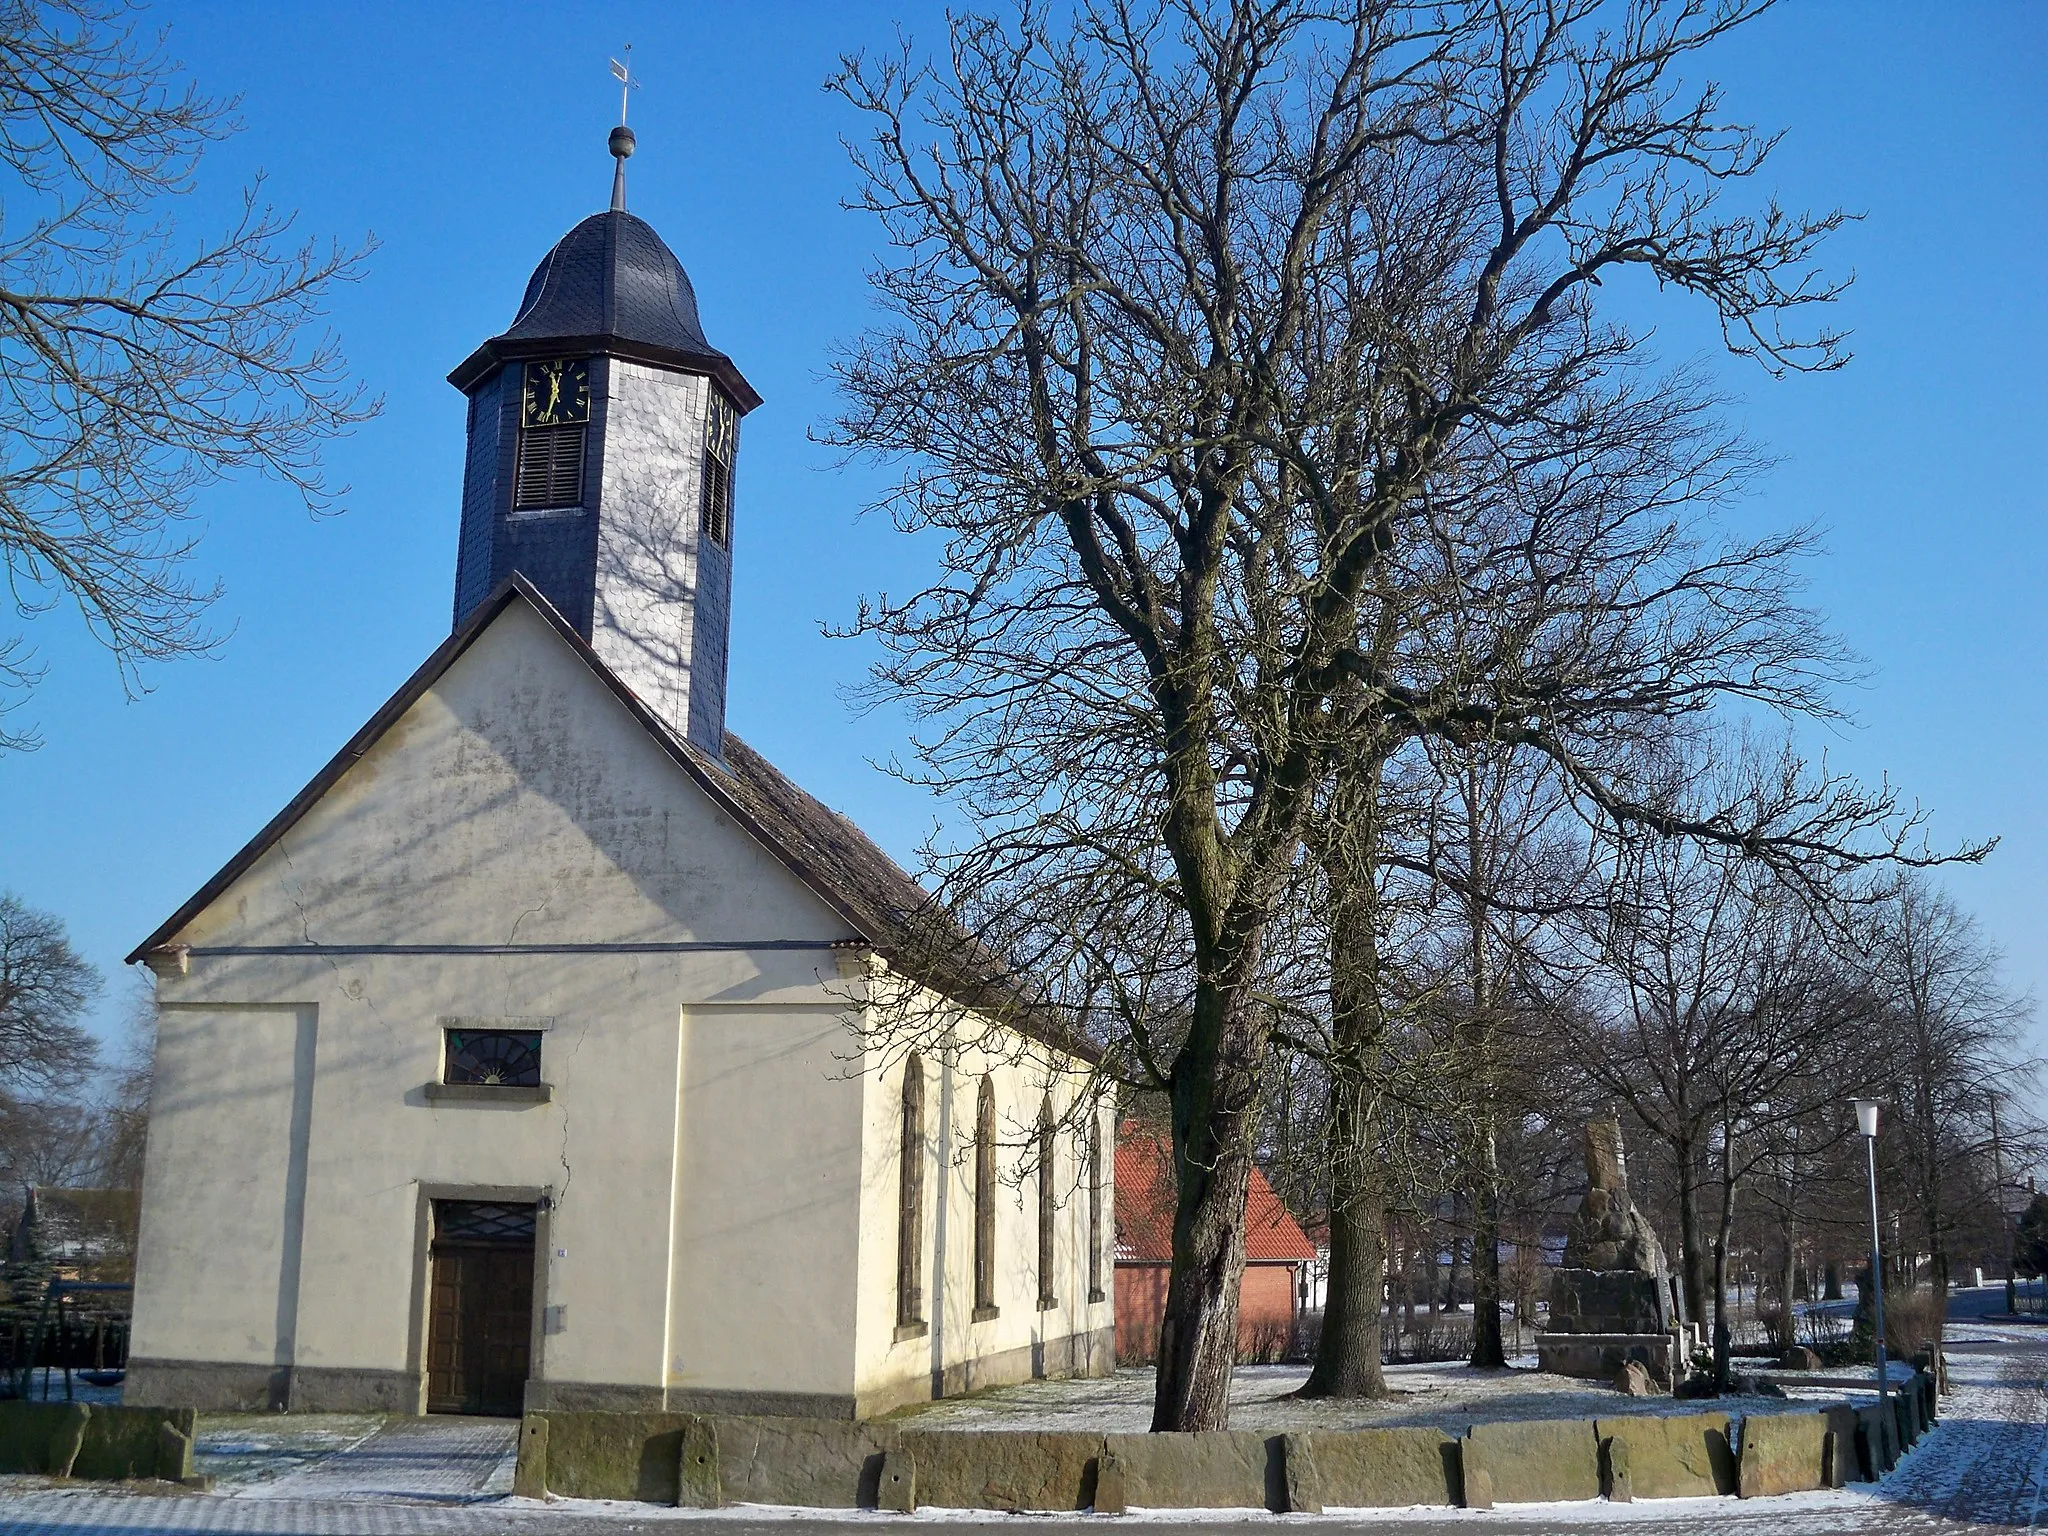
(1982, 1469)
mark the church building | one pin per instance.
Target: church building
(538, 1053)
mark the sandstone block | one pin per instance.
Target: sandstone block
(822, 1463)
(1615, 1481)
(1304, 1482)
(1675, 1458)
(66, 1439)
(1381, 1468)
(1111, 1495)
(1231, 1469)
(997, 1469)
(1534, 1462)
(530, 1472)
(896, 1490)
(1783, 1453)
(697, 1484)
(1633, 1380)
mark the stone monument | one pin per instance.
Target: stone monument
(1612, 1301)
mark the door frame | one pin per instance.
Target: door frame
(541, 1198)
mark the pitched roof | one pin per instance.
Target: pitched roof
(1144, 1206)
(868, 890)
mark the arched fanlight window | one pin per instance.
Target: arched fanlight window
(1048, 1207)
(985, 1201)
(910, 1200)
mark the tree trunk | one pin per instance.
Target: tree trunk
(1788, 1286)
(1723, 1335)
(1488, 1353)
(1692, 1245)
(1198, 1333)
(1348, 1353)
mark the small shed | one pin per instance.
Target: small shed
(1276, 1254)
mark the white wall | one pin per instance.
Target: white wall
(1020, 1341)
(517, 801)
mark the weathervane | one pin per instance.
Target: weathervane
(622, 136)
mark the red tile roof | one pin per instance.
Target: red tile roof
(1144, 1207)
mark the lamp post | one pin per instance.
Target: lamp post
(1866, 1126)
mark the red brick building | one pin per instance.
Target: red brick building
(1275, 1251)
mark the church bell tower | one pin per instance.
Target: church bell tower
(603, 429)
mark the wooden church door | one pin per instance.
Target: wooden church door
(480, 1307)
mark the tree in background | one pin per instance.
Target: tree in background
(137, 366)
(1949, 1042)
(45, 985)
(2030, 1247)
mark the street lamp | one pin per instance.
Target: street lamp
(1866, 1127)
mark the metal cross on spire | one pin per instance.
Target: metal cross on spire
(622, 136)
(622, 71)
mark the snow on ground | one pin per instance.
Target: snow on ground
(1446, 1396)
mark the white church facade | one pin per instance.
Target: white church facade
(535, 1054)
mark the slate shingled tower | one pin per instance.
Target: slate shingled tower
(602, 430)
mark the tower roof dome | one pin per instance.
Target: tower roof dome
(610, 285)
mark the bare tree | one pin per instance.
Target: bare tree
(139, 366)
(1111, 240)
(44, 987)
(1953, 1035)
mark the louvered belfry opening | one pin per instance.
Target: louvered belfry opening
(721, 431)
(550, 467)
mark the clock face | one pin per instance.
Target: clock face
(557, 393)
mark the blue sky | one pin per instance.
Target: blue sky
(467, 138)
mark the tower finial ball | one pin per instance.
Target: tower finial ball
(622, 142)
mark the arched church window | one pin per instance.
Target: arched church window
(554, 416)
(1095, 1291)
(721, 439)
(985, 1201)
(910, 1200)
(1048, 1207)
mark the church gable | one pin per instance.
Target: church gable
(509, 795)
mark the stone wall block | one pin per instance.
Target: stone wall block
(1536, 1462)
(67, 1438)
(1002, 1469)
(1111, 1486)
(1783, 1453)
(173, 1453)
(1304, 1485)
(1676, 1458)
(530, 1472)
(1615, 1481)
(1383, 1468)
(896, 1490)
(591, 1454)
(821, 1463)
(1223, 1470)
(697, 1483)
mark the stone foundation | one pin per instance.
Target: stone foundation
(1600, 1356)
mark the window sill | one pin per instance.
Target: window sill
(1097, 1297)
(911, 1331)
(488, 1093)
(1048, 1303)
(986, 1314)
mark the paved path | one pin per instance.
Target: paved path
(1983, 1468)
(416, 1461)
